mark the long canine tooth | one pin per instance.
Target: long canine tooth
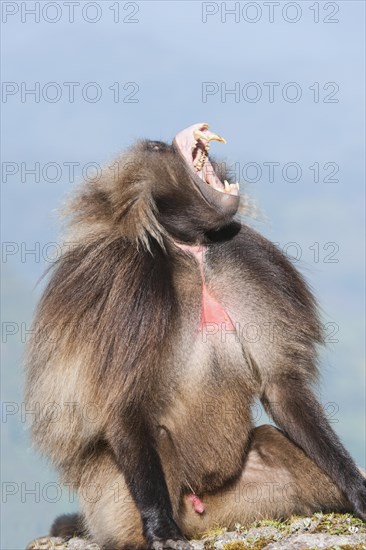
(215, 137)
(237, 186)
(207, 136)
(227, 186)
(233, 187)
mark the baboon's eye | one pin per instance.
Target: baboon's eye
(157, 146)
(153, 146)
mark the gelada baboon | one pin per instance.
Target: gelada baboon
(146, 343)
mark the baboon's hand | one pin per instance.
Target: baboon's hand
(162, 533)
(174, 544)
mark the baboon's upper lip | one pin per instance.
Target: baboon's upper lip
(194, 144)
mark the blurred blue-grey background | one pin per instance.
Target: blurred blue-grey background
(105, 73)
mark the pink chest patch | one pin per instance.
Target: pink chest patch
(212, 312)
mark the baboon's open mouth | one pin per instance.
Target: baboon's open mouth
(194, 144)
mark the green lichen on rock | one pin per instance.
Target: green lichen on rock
(319, 531)
(340, 524)
(235, 545)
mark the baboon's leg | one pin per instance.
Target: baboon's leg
(110, 515)
(278, 480)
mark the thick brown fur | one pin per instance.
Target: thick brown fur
(68, 526)
(146, 406)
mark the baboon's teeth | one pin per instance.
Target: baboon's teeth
(200, 159)
(230, 188)
(205, 136)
